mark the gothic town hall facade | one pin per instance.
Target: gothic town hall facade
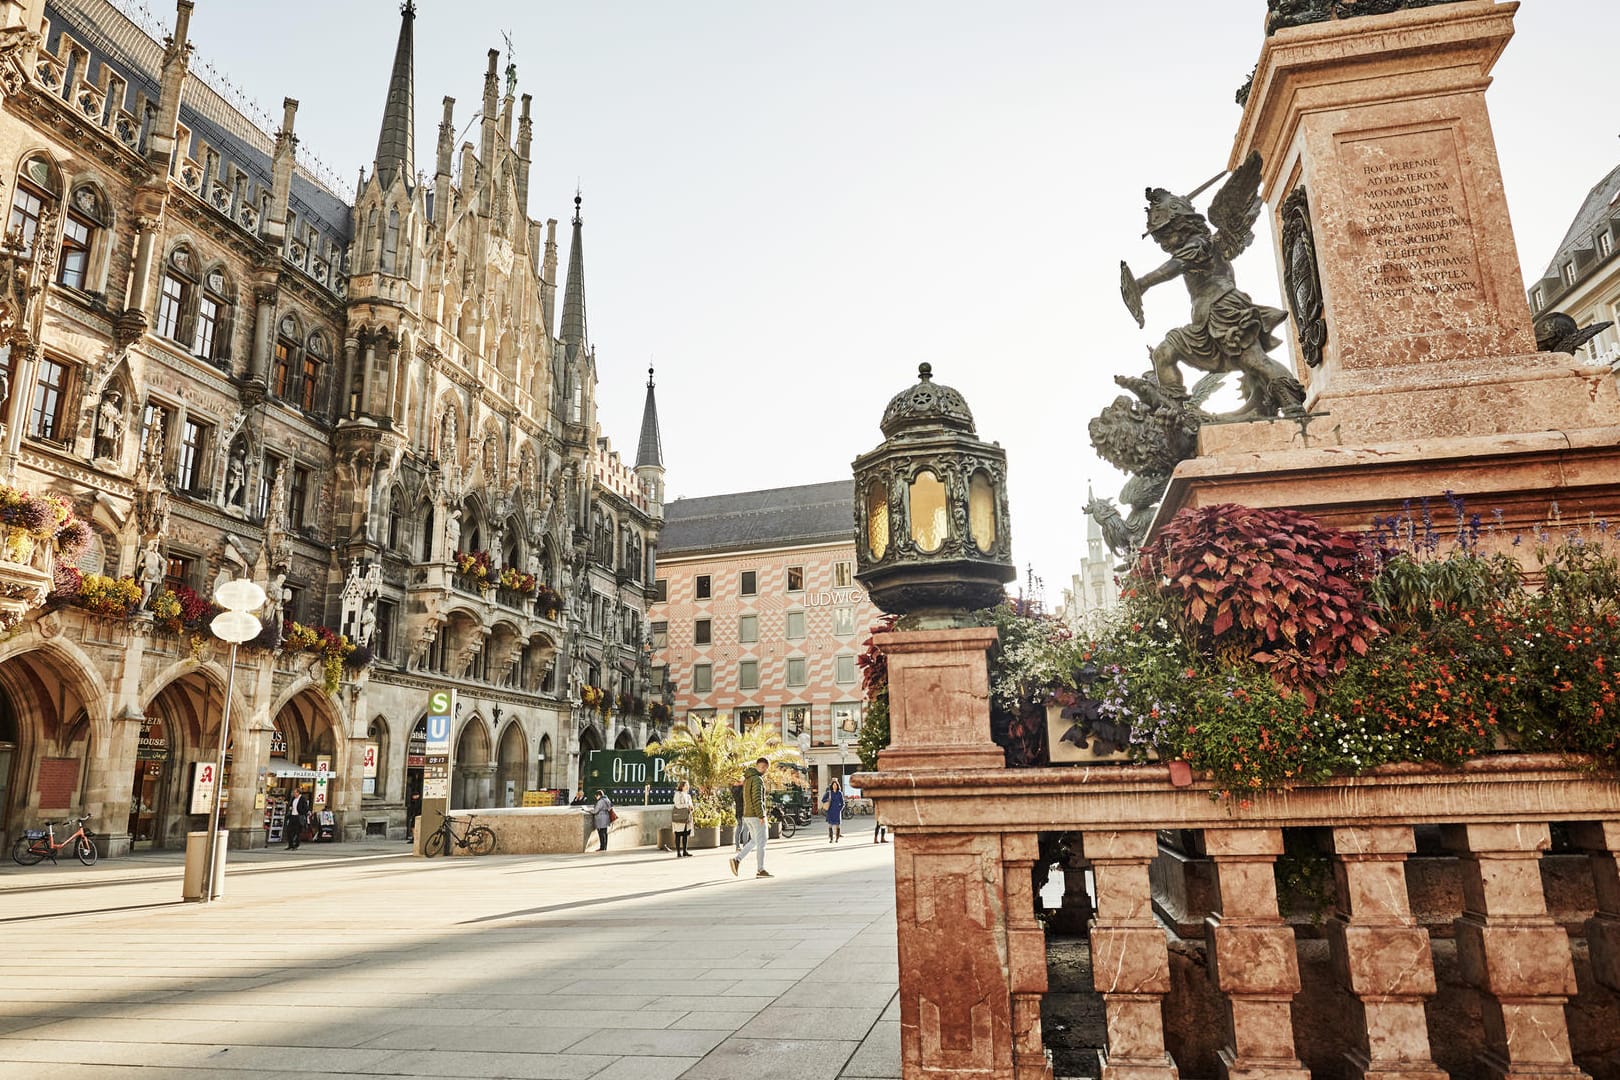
(374, 405)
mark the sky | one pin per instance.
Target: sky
(789, 206)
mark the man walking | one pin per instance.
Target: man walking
(754, 818)
(297, 810)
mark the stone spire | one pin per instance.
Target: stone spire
(572, 334)
(396, 145)
(650, 451)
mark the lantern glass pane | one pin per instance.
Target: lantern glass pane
(982, 512)
(929, 519)
(877, 519)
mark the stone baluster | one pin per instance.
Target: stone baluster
(1026, 956)
(1510, 948)
(1074, 917)
(1382, 955)
(1252, 957)
(1130, 960)
(1601, 840)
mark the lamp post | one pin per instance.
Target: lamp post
(236, 624)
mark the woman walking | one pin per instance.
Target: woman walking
(833, 801)
(681, 818)
(603, 817)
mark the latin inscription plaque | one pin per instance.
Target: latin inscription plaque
(1413, 249)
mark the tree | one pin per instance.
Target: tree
(712, 756)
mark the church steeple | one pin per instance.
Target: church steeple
(650, 451)
(396, 145)
(572, 334)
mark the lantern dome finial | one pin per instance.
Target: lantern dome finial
(926, 408)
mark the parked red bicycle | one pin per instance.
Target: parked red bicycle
(37, 844)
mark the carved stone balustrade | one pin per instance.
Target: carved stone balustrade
(1489, 991)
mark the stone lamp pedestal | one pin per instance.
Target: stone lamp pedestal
(1410, 328)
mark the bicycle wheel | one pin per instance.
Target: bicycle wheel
(86, 851)
(24, 853)
(435, 844)
(789, 826)
(481, 840)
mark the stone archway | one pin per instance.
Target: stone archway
(512, 772)
(316, 755)
(182, 717)
(625, 741)
(49, 743)
(473, 783)
(547, 763)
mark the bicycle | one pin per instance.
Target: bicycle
(788, 823)
(37, 844)
(479, 839)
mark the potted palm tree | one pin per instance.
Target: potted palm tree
(712, 757)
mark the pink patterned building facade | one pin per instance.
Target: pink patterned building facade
(760, 618)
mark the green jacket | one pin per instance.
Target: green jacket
(753, 794)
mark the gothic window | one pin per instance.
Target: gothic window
(267, 480)
(36, 190)
(390, 247)
(193, 443)
(427, 532)
(396, 518)
(75, 265)
(284, 377)
(297, 496)
(50, 398)
(177, 296)
(309, 380)
(211, 338)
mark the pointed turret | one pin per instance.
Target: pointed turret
(572, 334)
(396, 145)
(650, 453)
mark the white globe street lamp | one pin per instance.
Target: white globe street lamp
(236, 624)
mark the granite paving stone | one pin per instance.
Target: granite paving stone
(369, 963)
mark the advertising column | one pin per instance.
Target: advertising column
(436, 765)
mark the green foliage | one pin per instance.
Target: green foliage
(712, 756)
(874, 736)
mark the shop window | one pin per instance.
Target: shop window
(748, 675)
(702, 631)
(702, 678)
(704, 586)
(795, 579)
(795, 720)
(749, 719)
(795, 626)
(50, 400)
(748, 629)
(846, 721)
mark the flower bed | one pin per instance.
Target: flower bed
(335, 650)
(1269, 651)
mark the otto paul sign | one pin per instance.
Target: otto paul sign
(627, 774)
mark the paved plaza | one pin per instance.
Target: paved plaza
(358, 960)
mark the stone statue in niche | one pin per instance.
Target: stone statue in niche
(1229, 331)
(1301, 280)
(151, 570)
(236, 476)
(110, 425)
(452, 534)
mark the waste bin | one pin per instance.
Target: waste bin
(193, 886)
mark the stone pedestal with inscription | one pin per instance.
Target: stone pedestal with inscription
(1409, 324)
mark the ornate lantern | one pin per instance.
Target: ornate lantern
(932, 538)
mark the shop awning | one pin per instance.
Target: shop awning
(292, 772)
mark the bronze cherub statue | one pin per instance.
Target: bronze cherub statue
(1228, 331)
